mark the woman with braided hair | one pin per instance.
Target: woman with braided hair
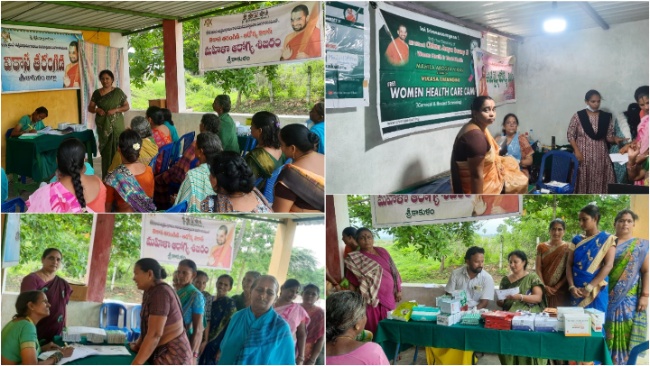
(345, 319)
(234, 184)
(131, 184)
(75, 191)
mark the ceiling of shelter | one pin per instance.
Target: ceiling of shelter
(525, 18)
(123, 17)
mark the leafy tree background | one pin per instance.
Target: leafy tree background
(428, 253)
(72, 233)
(280, 88)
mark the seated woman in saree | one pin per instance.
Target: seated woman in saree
(244, 299)
(56, 288)
(516, 145)
(109, 103)
(149, 148)
(130, 185)
(372, 272)
(266, 157)
(193, 304)
(590, 260)
(74, 192)
(169, 123)
(161, 133)
(316, 327)
(162, 339)
(30, 123)
(626, 321)
(19, 340)
(301, 184)
(223, 308)
(233, 182)
(197, 186)
(530, 298)
(317, 116)
(346, 319)
(551, 265)
(476, 166)
(170, 180)
(295, 315)
(257, 335)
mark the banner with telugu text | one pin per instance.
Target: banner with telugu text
(36, 60)
(347, 45)
(425, 72)
(494, 76)
(172, 238)
(268, 36)
(427, 209)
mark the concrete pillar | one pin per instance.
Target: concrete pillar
(281, 254)
(100, 254)
(639, 204)
(342, 221)
(174, 67)
(333, 260)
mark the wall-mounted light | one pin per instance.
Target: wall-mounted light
(556, 23)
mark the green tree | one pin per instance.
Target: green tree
(302, 266)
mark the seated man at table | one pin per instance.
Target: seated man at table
(31, 123)
(479, 287)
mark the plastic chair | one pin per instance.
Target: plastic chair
(135, 323)
(564, 168)
(166, 152)
(187, 140)
(641, 347)
(111, 312)
(270, 182)
(13, 204)
(181, 207)
(250, 145)
(152, 163)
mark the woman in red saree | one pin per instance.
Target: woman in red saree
(58, 293)
(551, 265)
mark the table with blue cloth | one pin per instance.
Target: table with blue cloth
(393, 335)
(36, 157)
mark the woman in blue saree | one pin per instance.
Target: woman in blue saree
(193, 303)
(257, 335)
(626, 321)
(591, 259)
(223, 308)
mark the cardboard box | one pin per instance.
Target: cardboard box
(545, 323)
(524, 322)
(577, 325)
(562, 310)
(162, 103)
(425, 314)
(79, 292)
(449, 306)
(448, 319)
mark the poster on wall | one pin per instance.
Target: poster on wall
(427, 209)
(172, 238)
(37, 60)
(494, 76)
(269, 36)
(425, 72)
(347, 46)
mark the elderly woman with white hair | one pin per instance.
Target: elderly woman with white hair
(149, 148)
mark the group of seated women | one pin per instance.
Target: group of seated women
(180, 325)
(207, 176)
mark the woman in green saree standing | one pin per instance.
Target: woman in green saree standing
(266, 156)
(530, 298)
(109, 103)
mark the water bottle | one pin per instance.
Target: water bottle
(531, 139)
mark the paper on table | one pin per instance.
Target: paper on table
(110, 350)
(80, 352)
(27, 136)
(619, 158)
(502, 294)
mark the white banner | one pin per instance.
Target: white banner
(172, 238)
(494, 76)
(427, 209)
(269, 36)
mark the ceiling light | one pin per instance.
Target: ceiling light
(554, 25)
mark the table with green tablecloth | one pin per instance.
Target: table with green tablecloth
(36, 157)
(393, 335)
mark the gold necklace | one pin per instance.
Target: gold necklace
(345, 336)
(29, 319)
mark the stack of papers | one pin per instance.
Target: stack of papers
(502, 294)
(83, 351)
(74, 334)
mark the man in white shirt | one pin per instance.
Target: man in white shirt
(477, 283)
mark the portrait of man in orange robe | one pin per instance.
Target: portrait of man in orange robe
(397, 51)
(350, 16)
(304, 42)
(71, 77)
